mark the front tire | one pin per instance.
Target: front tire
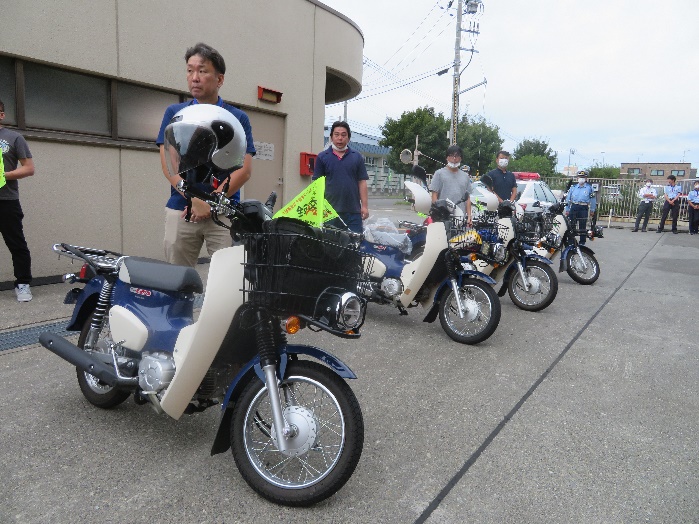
(95, 391)
(481, 317)
(321, 457)
(577, 272)
(542, 292)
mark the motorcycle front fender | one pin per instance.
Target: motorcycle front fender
(252, 370)
(564, 255)
(85, 303)
(446, 284)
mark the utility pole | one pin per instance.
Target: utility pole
(457, 73)
(472, 9)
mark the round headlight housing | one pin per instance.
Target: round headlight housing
(351, 313)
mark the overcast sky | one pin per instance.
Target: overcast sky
(613, 76)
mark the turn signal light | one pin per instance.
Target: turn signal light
(473, 257)
(292, 325)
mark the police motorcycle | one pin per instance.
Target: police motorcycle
(440, 280)
(562, 239)
(501, 245)
(294, 426)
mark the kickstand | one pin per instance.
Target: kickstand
(402, 310)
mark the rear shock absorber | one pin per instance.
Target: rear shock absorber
(99, 315)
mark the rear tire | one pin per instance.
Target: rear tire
(95, 391)
(326, 449)
(482, 314)
(577, 272)
(537, 299)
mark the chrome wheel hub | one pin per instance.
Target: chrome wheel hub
(303, 431)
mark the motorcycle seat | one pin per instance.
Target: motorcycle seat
(161, 276)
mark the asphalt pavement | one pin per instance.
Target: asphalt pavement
(583, 412)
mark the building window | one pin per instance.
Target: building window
(634, 171)
(140, 111)
(66, 101)
(678, 172)
(370, 160)
(7, 89)
(657, 172)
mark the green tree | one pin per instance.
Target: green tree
(480, 142)
(532, 164)
(537, 147)
(604, 171)
(399, 134)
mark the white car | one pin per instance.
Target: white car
(530, 189)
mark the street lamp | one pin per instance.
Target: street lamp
(683, 152)
(602, 158)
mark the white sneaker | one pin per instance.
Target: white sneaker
(24, 294)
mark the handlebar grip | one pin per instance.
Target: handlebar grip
(271, 200)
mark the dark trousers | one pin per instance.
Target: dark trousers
(578, 219)
(12, 232)
(674, 213)
(644, 209)
(693, 219)
(352, 221)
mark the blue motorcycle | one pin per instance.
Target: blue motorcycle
(293, 424)
(440, 280)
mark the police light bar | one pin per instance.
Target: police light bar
(526, 176)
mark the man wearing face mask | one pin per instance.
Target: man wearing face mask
(504, 182)
(671, 204)
(693, 209)
(647, 194)
(453, 183)
(345, 179)
(580, 202)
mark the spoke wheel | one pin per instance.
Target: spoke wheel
(95, 391)
(481, 315)
(583, 274)
(543, 287)
(327, 441)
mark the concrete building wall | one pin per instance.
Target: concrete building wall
(111, 194)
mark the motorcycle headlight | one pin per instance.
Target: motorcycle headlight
(499, 252)
(351, 311)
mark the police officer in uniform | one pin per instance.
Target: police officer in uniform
(647, 194)
(671, 204)
(580, 202)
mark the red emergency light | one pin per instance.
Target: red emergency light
(526, 176)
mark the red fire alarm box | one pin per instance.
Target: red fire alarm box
(308, 163)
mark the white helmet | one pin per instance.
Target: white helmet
(204, 135)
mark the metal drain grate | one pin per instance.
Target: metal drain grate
(28, 336)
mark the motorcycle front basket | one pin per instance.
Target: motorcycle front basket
(290, 264)
(530, 227)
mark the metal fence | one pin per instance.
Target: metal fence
(617, 199)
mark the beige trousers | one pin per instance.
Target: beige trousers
(184, 240)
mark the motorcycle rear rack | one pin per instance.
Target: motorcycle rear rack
(101, 258)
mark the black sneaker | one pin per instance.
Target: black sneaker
(634, 230)
(675, 232)
(659, 231)
(643, 230)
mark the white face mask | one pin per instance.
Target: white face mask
(648, 184)
(581, 181)
(339, 149)
(454, 165)
(503, 162)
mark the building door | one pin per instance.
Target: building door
(267, 165)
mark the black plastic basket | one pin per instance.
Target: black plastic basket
(290, 264)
